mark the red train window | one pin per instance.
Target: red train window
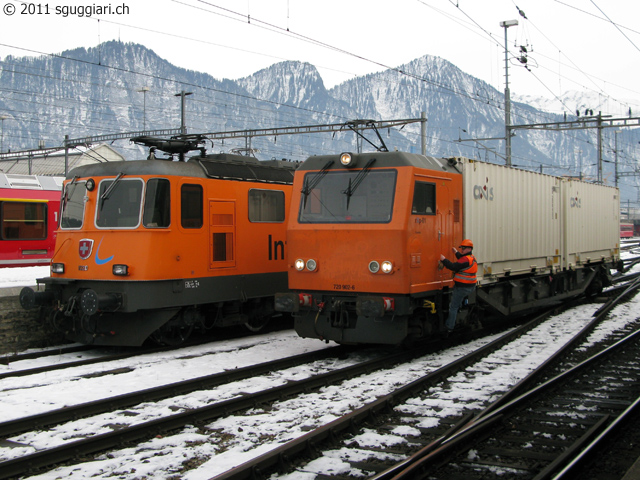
(24, 221)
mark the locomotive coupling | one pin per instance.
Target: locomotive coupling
(31, 299)
(92, 302)
(374, 306)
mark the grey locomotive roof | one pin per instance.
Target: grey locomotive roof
(220, 166)
(383, 159)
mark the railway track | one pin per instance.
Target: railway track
(27, 463)
(555, 425)
(262, 400)
(61, 350)
(350, 445)
(69, 356)
(572, 411)
(69, 413)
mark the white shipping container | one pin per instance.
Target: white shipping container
(591, 221)
(522, 221)
(513, 218)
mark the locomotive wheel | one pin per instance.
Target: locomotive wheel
(595, 288)
(177, 330)
(257, 323)
(173, 335)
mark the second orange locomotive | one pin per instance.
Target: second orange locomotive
(366, 232)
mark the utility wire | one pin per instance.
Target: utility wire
(237, 16)
(595, 16)
(269, 26)
(616, 25)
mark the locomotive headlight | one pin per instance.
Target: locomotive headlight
(387, 267)
(91, 184)
(120, 270)
(57, 268)
(374, 266)
(311, 265)
(347, 160)
(299, 264)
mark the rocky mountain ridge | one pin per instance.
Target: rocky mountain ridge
(99, 91)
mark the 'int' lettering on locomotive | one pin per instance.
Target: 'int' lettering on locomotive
(274, 247)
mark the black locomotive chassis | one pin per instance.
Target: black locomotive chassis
(127, 312)
(346, 319)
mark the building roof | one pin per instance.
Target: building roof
(53, 162)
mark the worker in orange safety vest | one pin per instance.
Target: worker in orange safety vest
(465, 269)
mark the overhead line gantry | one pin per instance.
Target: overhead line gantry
(357, 126)
(599, 122)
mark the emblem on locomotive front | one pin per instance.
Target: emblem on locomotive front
(85, 247)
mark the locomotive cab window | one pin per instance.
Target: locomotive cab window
(266, 206)
(191, 206)
(73, 205)
(157, 204)
(119, 203)
(24, 220)
(348, 197)
(424, 199)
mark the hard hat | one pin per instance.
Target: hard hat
(466, 243)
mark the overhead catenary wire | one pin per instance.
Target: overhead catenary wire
(100, 64)
(256, 21)
(239, 16)
(617, 27)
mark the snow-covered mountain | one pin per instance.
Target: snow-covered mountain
(99, 90)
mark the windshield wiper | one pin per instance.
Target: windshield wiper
(310, 185)
(108, 191)
(357, 181)
(65, 198)
(106, 194)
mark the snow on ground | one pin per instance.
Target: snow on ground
(232, 440)
(23, 396)
(22, 277)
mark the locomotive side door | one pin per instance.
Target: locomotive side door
(431, 231)
(445, 226)
(222, 231)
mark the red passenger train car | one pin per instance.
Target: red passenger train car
(626, 230)
(157, 248)
(29, 208)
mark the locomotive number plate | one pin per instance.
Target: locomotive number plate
(348, 288)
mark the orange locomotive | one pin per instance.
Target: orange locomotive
(366, 232)
(156, 248)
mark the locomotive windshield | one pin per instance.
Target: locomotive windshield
(119, 203)
(73, 205)
(334, 199)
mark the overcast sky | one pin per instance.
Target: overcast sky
(571, 44)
